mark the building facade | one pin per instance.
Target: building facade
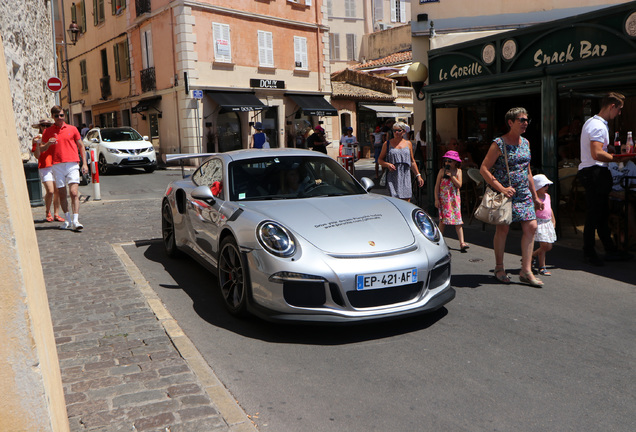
(195, 76)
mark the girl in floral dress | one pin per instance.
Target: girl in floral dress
(447, 197)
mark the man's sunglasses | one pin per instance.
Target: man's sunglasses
(58, 115)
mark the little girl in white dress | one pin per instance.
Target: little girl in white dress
(546, 235)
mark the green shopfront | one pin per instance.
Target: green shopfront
(557, 70)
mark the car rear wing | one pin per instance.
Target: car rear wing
(181, 156)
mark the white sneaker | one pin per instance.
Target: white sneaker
(77, 226)
(66, 225)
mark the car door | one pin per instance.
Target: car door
(205, 217)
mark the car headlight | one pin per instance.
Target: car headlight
(113, 150)
(426, 225)
(276, 239)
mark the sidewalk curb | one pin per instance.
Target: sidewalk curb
(225, 403)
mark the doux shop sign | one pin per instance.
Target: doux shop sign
(536, 48)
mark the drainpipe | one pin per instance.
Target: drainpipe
(176, 93)
(68, 72)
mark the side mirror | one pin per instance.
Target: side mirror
(204, 194)
(145, 138)
(367, 183)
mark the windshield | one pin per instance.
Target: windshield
(289, 177)
(114, 135)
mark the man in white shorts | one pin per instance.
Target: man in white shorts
(67, 148)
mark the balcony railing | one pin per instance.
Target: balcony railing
(142, 6)
(148, 80)
(405, 92)
(104, 84)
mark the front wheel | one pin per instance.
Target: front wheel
(103, 166)
(232, 274)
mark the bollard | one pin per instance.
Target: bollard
(95, 173)
(34, 184)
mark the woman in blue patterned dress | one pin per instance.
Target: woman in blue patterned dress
(519, 186)
(397, 156)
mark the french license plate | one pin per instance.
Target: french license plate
(387, 279)
(135, 158)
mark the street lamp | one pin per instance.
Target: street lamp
(417, 73)
(73, 31)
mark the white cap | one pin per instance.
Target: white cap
(540, 180)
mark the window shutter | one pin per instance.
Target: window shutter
(329, 8)
(379, 10)
(351, 46)
(350, 8)
(393, 11)
(265, 49)
(82, 22)
(307, 2)
(402, 11)
(95, 13)
(334, 39)
(300, 52)
(117, 64)
(222, 44)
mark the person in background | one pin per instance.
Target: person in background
(518, 185)
(317, 141)
(45, 167)
(617, 197)
(596, 179)
(348, 142)
(397, 157)
(447, 196)
(258, 138)
(420, 144)
(546, 234)
(67, 149)
(84, 130)
(377, 140)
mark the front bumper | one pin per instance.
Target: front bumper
(331, 296)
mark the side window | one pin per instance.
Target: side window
(210, 174)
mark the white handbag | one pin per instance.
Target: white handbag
(495, 207)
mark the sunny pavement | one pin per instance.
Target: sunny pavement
(120, 368)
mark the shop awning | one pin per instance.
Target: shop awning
(144, 104)
(314, 105)
(388, 110)
(235, 101)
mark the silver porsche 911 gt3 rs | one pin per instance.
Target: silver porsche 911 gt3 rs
(291, 235)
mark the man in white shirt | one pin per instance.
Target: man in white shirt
(597, 180)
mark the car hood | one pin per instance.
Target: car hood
(361, 224)
(126, 144)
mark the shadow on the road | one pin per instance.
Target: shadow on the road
(202, 287)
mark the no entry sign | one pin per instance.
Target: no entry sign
(54, 84)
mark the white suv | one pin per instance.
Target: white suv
(121, 147)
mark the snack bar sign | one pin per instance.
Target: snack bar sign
(525, 51)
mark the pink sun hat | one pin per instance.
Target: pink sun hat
(452, 154)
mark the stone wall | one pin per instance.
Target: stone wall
(27, 37)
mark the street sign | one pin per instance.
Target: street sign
(54, 84)
(197, 94)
